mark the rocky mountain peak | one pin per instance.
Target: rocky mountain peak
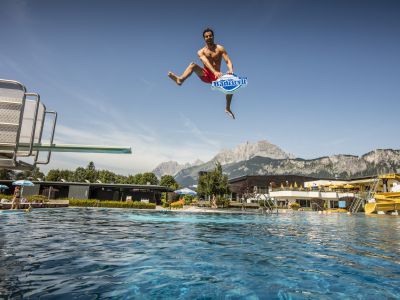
(173, 167)
(249, 150)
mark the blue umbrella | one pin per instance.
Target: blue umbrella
(23, 183)
(3, 187)
(185, 191)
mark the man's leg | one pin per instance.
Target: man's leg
(228, 106)
(189, 70)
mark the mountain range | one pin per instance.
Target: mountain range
(264, 158)
(173, 167)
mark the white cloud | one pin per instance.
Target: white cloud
(149, 147)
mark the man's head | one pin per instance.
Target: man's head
(208, 35)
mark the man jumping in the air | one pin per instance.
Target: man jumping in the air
(211, 56)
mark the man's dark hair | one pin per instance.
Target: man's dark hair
(208, 30)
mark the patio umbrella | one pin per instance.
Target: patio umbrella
(23, 183)
(336, 186)
(185, 191)
(3, 187)
(349, 186)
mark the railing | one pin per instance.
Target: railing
(22, 118)
(363, 197)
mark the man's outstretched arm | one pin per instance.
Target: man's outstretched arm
(227, 60)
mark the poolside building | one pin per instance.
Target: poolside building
(308, 192)
(246, 185)
(99, 191)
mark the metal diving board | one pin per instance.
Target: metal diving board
(68, 148)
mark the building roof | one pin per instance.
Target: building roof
(244, 177)
(92, 184)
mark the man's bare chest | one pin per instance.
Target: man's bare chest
(213, 55)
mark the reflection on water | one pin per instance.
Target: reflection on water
(128, 254)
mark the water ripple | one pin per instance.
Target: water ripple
(113, 253)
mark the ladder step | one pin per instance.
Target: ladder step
(9, 124)
(2, 152)
(11, 100)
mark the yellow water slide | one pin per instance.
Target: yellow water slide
(384, 202)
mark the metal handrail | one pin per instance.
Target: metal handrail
(52, 137)
(34, 123)
(41, 132)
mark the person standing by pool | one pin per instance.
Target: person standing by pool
(211, 56)
(16, 199)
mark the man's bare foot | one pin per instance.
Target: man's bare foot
(230, 113)
(174, 78)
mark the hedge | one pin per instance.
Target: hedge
(31, 198)
(8, 197)
(178, 204)
(113, 204)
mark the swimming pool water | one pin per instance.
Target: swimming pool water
(125, 254)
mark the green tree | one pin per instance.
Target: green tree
(91, 166)
(30, 174)
(36, 173)
(106, 176)
(91, 173)
(149, 177)
(169, 181)
(80, 174)
(134, 179)
(53, 175)
(220, 181)
(121, 179)
(142, 178)
(213, 184)
(67, 175)
(204, 185)
(7, 174)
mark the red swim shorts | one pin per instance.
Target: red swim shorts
(208, 76)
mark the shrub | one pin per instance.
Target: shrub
(294, 206)
(8, 197)
(178, 204)
(203, 203)
(111, 204)
(37, 198)
(188, 199)
(222, 201)
(167, 203)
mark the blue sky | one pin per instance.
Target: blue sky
(323, 75)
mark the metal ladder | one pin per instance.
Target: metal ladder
(268, 204)
(356, 204)
(12, 103)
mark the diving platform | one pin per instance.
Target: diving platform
(23, 117)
